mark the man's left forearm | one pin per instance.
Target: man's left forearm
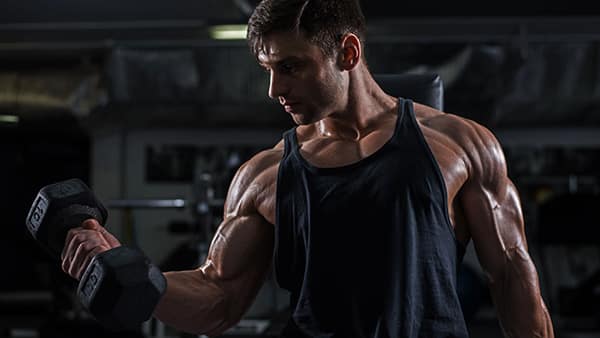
(516, 293)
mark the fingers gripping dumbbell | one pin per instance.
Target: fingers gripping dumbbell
(120, 286)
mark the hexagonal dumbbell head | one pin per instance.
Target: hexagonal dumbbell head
(59, 207)
(121, 288)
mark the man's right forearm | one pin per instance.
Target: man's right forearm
(193, 304)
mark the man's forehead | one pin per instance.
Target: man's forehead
(276, 43)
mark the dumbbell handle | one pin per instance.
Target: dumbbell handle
(65, 205)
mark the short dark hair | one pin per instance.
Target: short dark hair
(323, 22)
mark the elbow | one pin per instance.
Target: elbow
(223, 326)
(198, 316)
(228, 316)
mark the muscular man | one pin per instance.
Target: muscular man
(363, 209)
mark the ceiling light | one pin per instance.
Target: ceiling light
(9, 119)
(228, 32)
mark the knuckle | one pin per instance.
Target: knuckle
(87, 246)
(77, 237)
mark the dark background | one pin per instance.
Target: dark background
(137, 100)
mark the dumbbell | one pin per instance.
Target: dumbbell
(120, 287)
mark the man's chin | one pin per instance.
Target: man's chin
(302, 120)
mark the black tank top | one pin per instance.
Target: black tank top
(367, 249)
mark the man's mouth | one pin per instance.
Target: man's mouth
(289, 106)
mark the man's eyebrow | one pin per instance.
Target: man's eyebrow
(280, 61)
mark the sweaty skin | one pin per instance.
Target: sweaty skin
(344, 116)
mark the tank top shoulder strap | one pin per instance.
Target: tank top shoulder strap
(290, 141)
(403, 121)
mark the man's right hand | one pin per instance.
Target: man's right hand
(82, 244)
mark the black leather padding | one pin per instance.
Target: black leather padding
(426, 88)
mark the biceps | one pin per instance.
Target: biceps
(240, 254)
(495, 222)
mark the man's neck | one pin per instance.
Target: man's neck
(368, 106)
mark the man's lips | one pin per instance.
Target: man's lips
(289, 106)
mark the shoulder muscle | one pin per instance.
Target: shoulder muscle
(251, 181)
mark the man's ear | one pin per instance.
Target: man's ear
(350, 53)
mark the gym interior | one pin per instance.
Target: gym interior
(156, 105)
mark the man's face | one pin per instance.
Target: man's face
(305, 81)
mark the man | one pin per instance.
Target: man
(365, 207)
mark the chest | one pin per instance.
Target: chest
(448, 158)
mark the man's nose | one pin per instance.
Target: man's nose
(277, 86)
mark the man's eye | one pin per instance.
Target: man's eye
(288, 68)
